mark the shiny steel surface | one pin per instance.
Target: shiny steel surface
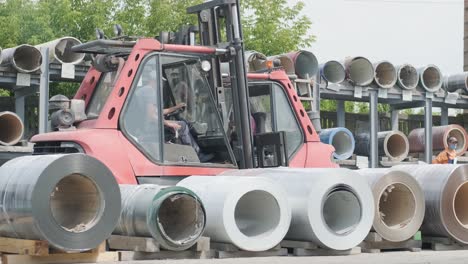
(391, 144)
(174, 216)
(446, 194)
(457, 82)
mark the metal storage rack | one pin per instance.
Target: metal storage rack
(397, 98)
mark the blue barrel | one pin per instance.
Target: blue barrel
(341, 139)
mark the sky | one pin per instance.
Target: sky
(419, 32)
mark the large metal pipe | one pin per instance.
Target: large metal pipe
(333, 71)
(446, 193)
(341, 139)
(385, 74)
(60, 50)
(11, 128)
(359, 71)
(392, 144)
(67, 200)
(430, 78)
(251, 213)
(456, 82)
(440, 136)
(399, 203)
(333, 208)
(408, 76)
(255, 61)
(24, 58)
(305, 63)
(173, 216)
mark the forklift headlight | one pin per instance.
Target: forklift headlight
(206, 66)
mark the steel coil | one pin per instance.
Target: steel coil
(173, 216)
(251, 213)
(446, 193)
(68, 200)
(440, 135)
(392, 144)
(399, 203)
(341, 139)
(333, 208)
(12, 128)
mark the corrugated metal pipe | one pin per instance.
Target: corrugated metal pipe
(67, 200)
(173, 216)
(11, 128)
(341, 139)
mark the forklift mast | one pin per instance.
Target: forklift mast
(220, 27)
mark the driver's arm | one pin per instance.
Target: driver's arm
(173, 109)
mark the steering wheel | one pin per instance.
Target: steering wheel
(176, 112)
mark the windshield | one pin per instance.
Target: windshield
(100, 94)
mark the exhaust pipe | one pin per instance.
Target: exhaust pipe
(286, 63)
(251, 213)
(392, 144)
(385, 74)
(60, 50)
(12, 129)
(456, 82)
(24, 58)
(305, 63)
(399, 203)
(430, 78)
(67, 200)
(445, 190)
(341, 139)
(440, 135)
(408, 77)
(333, 72)
(359, 71)
(333, 208)
(173, 216)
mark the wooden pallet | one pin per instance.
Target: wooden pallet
(23, 251)
(302, 248)
(442, 244)
(145, 248)
(374, 243)
(226, 250)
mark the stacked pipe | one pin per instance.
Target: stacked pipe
(408, 76)
(251, 213)
(341, 139)
(430, 78)
(60, 50)
(392, 144)
(445, 189)
(440, 136)
(333, 208)
(67, 200)
(457, 82)
(385, 75)
(24, 58)
(173, 216)
(399, 203)
(333, 72)
(11, 128)
(359, 71)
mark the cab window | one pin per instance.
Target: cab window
(101, 94)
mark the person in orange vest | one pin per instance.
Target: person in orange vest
(449, 155)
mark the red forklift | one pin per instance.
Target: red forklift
(138, 87)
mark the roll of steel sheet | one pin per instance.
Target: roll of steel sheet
(430, 78)
(399, 203)
(24, 58)
(341, 139)
(359, 71)
(408, 77)
(173, 216)
(385, 74)
(456, 82)
(446, 192)
(69, 200)
(251, 213)
(333, 208)
(11, 128)
(333, 72)
(440, 135)
(392, 144)
(60, 50)
(305, 63)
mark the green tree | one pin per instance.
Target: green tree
(273, 27)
